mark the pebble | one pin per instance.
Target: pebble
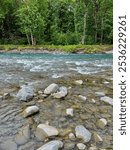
(1, 97)
(52, 88)
(93, 148)
(69, 146)
(81, 146)
(100, 94)
(52, 145)
(82, 133)
(61, 94)
(30, 111)
(79, 82)
(71, 136)
(97, 138)
(101, 123)
(70, 112)
(107, 100)
(82, 97)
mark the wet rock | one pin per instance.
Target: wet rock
(107, 100)
(71, 136)
(30, 111)
(8, 145)
(82, 97)
(100, 94)
(70, 112)
(53, 145)
(101, 123)
(69, 146)
(52, 88)
(93, 148)
(97, 138)
(79, 82)
(62, 93)
(82, 133)
(81, 146)
(23, 135)
(44, 131)
(25, 93)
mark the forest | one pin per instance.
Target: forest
(56, 22)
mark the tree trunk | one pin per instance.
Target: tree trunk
(33, 40)
(102, 23)
(75, 25)
(28, 39)
(84, 28)
(96, 27)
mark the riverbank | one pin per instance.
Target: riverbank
(82, 108)
(87, 49)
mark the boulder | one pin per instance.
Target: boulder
(52, 88)
(82, 133)
(25, 93)
(53, 145)
(107, 99)
(61, 94)
(30, 111)
(44, 131)
(81, 146)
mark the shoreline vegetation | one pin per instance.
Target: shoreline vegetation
(85, 49)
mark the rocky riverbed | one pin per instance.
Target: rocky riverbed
(68, 113)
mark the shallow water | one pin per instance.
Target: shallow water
(20, 68)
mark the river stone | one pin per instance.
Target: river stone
(107, 100)
(69, 146)
(43, 131)
(23, 135)
(82, 97)
(53, 145)
(97, 138)
(82, 133)
(30, 111)
(81, 146)
(100, 94)
(62, 93)
(25, 93)
(101, 123)
(71, 136)
(79, 82)
(8, 145)
(52, 88)
(70, 112)
(93, 148)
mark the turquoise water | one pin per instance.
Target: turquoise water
(23, 67)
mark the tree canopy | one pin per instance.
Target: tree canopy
(59, 22)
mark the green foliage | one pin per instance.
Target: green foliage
(60, 22)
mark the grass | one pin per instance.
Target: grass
(65, 48)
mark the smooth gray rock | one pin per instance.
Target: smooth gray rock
(8, 145)
(23, 135)
(25, 93)
(62, 93)
(82, 97)
(82, 133)
(107, 99)
(81, 146)
(53, 145)
(44, 131)
(101, 123)
(52, 88)
(100, 94)
(70, 112)
(30, 111)
(79, 82)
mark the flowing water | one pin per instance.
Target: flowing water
(20, 68)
